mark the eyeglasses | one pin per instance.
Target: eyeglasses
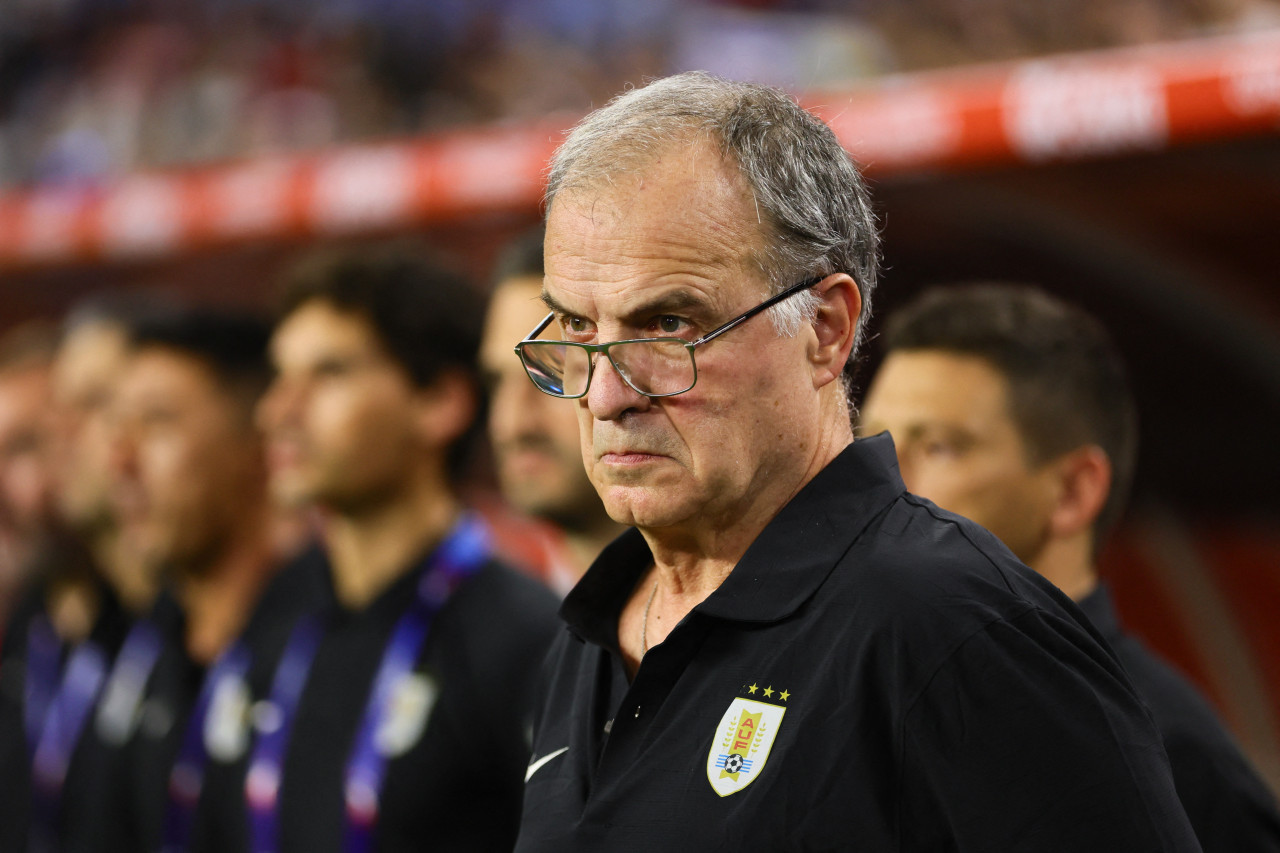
(654, 367)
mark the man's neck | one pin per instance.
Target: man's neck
(135, 582)
(370, 549)
(217, 601)
(692, 561)
(73, 606)
(1068, 565)
(700, 555)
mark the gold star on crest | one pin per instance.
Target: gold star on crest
(753, 688)
(768, 691)
(784, 695)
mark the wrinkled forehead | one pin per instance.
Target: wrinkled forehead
(686, 214)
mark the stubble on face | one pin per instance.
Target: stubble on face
(87, 372)
(196, 462)
(534, 436)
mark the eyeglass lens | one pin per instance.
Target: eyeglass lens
(654, 367)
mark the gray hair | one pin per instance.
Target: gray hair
(811, 199)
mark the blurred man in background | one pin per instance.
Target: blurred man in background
(1011, 408)
(26, 355)
(67, 631)
(535, 438)
(402, 712)
(191, 491)
(87, 372)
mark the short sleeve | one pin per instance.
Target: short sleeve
(1029, 737)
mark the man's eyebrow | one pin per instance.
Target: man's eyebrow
(674, 300)
(552, 303)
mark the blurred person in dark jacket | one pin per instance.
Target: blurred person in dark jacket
(1011, 407)
(69, 624)
(535, 440)
(190, 487)
(399, 717)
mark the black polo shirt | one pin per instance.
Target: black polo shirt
(303, 587)
(139, 776)
(77, 811)
(458, 786)
(875, 674)
(1230, 807)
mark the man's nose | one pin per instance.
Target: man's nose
(280, 399)
(609, 396)
(122, 458)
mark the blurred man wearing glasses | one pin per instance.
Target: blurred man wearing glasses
(788, 652)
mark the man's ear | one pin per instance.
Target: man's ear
(1084, 482)
(445, 408)
(834, 326)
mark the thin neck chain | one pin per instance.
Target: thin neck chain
(644, 626)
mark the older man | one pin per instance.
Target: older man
(789, 652)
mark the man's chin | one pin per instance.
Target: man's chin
(645, 507)
(290, 492)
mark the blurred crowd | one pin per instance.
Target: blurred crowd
(93, 88)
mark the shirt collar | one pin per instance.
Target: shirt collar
(1101, 611)
(781, 569)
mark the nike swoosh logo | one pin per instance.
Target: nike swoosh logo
(537, 765)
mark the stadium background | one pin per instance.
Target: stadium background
(1125, 155)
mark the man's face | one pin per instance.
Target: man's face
(86, 374)
(25, 458)
(534, 437)
(339, 415)
(188, 459)
(958, 444)
(667, 253)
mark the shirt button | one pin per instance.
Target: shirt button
(637, 712)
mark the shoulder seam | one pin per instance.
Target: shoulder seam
(932, 509)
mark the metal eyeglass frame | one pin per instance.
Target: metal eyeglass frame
(688, 345)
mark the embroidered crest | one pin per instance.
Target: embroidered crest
(120, 707)
(226, 728)
(743, 740)
(412, 699)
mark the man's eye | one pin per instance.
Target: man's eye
(575, 324)
(670, 325)
(941, 449)
(332, 369)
